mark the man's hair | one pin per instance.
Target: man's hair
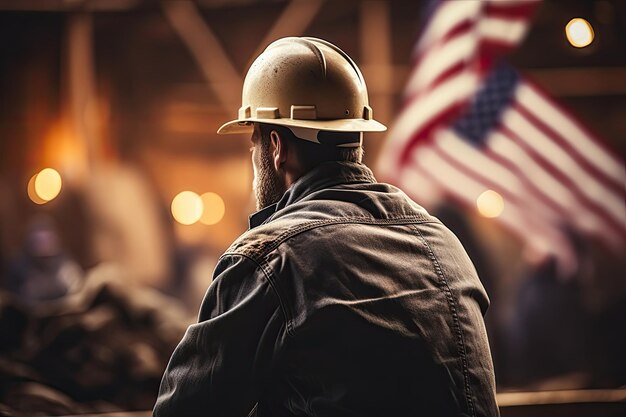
(311, 154)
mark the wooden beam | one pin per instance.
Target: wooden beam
(581, 81)
(216, 66)
(110, 5)
(70, 6)
(512, 399)
(293, 21)
(375, 62)
(82, 87)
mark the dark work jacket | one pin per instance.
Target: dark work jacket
(345, 298)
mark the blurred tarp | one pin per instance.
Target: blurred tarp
(101, 348)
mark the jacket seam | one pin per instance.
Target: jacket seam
(273, 285)
(284, 306)
(291, 232)
(452, 305)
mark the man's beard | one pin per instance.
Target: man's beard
(268, 186)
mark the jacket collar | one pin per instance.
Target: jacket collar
(322, 176)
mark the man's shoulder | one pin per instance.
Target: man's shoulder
(315, 217)
(259, 241)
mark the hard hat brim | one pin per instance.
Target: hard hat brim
(338, 125)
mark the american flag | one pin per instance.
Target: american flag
(471, 123)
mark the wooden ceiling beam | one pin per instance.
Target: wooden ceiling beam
(293, 21)
(215, 64)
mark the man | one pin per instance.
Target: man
(344, 298)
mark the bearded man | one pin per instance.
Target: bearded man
(344, 297)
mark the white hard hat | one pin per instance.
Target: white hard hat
(305, 84)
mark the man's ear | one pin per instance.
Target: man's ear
(279, 150)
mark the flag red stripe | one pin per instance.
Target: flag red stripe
(595, 140)
(553, 171)
(419, 136)
(565, 164)
(520, 193)
(571, 213)
(515, 219)
(572, 151)
(462, 28)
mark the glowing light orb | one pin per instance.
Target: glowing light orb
(32, 194)
(187, 207)
(490, 204)
(44, 186)
(214, 208)
(579, 32)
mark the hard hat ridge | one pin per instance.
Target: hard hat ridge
(312, 47)
(341, 52)
(304, 83)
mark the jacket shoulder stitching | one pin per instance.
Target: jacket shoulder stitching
(258, 250)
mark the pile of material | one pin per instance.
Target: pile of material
(101, 349)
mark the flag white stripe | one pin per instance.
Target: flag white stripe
(425, 108)
(517, 156)
(542, 237)
(563, 162)
(445, 19)
(569, 131)
(509, 31)
(418, 113)
(504, 147)
(489, 170)
(552, 190)
(441, 59)
(493, 173)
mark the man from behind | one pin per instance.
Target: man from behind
(344, 297)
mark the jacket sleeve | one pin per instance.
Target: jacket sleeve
(222, 362)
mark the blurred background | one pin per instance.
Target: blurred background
(117, 196)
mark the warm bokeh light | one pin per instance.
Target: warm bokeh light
(62, 148)
(32, 194)
(44, 186)
(490, 204)
(213, 208)
(187, 207)
(579, 32)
